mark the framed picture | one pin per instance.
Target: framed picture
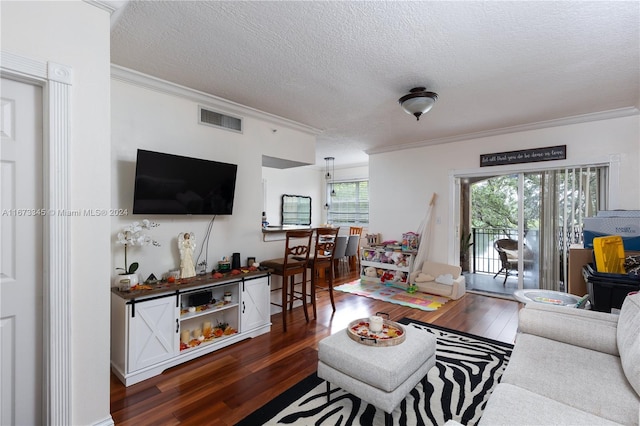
(251, 261)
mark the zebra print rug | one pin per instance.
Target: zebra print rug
(467, 369)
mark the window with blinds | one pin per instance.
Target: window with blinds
(348, 203)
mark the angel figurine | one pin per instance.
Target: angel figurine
(186, 245)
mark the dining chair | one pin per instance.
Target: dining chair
(351, 251)
(321, 260)
(294, 262)
(356, 230)
(339, 252)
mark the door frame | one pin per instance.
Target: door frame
(613, 192)
(55, 80)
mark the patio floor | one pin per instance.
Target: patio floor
(485, 283)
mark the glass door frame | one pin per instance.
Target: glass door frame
(455, 176)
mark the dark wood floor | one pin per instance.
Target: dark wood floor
(223, 387)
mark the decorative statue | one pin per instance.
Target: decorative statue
(186, 245)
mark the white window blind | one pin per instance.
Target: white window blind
(349, 204)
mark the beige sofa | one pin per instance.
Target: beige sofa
(571, 367)
(432, 279)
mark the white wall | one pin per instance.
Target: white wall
(402, 182)
(356, 172)
(305, 181)
(308, 180)
(167, 122)
(76, 34)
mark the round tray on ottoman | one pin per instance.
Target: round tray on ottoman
(392, 333)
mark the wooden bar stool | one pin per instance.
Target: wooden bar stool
(321, 260)
(294, 262)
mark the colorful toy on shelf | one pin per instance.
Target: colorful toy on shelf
(387, 257)
(410, 241)
(371, 272)
(400, 277)
(387, 276)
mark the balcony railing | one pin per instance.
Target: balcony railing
(484, 258)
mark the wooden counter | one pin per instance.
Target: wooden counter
(278, 233)
(185, 284)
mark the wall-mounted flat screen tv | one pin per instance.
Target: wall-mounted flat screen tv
(172, 184)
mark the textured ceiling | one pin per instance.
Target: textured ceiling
(341, 66)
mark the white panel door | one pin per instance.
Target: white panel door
(21, 254)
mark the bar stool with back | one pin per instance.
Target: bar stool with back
(322, 259)
(294, 262)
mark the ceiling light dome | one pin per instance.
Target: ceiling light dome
(418, 101)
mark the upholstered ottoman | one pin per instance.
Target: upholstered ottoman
(381, 376)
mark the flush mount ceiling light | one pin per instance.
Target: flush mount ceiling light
(418, 101)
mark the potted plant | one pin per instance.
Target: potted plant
(132, 235)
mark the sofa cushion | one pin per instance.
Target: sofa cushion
(446, 279)
(629, 339)
(424, 278)
(511, 405)
(584, 379)
(588, 329)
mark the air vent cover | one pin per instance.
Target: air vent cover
(217, 119)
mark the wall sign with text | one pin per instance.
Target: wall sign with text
(524, 156)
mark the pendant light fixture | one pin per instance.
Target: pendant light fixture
(418, 101)
(329, 173)
(328, 168)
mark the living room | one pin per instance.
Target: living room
(113, 116)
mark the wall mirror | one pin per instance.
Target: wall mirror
(295, 210)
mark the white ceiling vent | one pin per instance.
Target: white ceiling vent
(219, 120)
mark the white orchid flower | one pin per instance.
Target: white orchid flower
(132, 235)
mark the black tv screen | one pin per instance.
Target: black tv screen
(172, 184)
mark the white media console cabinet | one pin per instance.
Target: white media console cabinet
(147, 325)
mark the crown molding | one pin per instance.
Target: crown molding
(139, 79)
(583, 118)
(102, 4)
(110, 6)
(321, 166)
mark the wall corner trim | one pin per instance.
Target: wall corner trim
(57, 373)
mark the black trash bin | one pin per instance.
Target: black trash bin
(608, 291)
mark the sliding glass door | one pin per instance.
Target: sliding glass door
(504, 224)
(520, 225)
